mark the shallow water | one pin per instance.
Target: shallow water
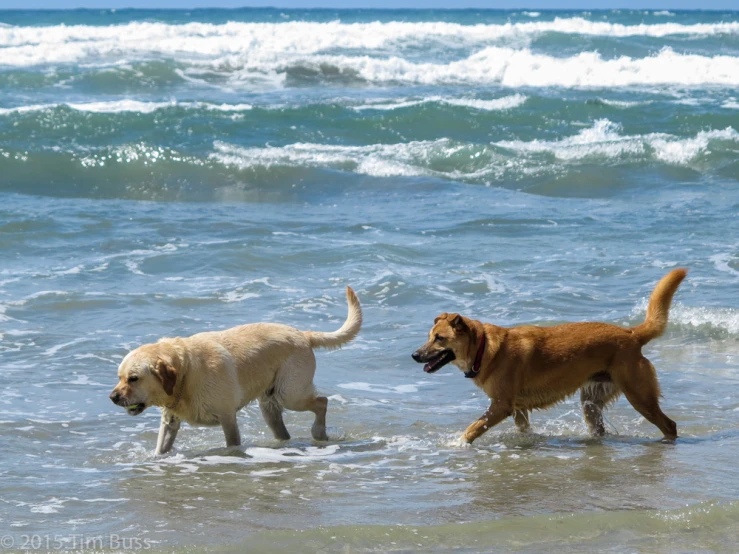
(166, 178)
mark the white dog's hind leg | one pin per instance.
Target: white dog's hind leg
(298, 394)
(320, 404)
(315, 404)
(167, 432)
(272, 414)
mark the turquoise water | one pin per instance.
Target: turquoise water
(169, 172)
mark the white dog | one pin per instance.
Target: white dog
(207, 378)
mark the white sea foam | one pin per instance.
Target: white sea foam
(377, 159)
(519, 68)
(127, 105)
(307, 37)
(722, 319)
(725, 319)
(680, 152)
(623, 103)
(504, 103)
(264, 49)
(27, 109)
(120, 106)
(602, 141)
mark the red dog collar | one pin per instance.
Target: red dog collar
(478, 359)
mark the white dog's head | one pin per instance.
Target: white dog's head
(147, 377)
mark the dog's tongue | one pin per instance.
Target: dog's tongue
(427, 368)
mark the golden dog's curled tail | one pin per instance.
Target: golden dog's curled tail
(346, 332)
(659, 306)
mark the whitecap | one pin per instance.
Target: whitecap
(624, 103)
(496, 104)
(72, 43)
(523, 68)
(602, 141)
(127, 106)
(682, 151)
(725, 319)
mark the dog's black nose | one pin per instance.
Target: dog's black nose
(115, 396)
(416, 356)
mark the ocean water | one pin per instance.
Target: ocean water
(169, 172)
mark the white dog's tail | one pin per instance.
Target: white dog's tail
(347, 331)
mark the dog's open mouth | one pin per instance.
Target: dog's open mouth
(135, 409)
(439, 361)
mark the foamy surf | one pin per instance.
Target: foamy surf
(127, 105)
(249, 53)
(504, 103)
(603, 141)
(523, 68)
(56, 43)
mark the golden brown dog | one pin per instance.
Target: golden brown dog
(207, 378)
(525, 368)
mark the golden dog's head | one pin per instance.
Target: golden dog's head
(147, 377)
(449, 341)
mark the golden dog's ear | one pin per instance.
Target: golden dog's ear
(458, 323)
(440, 316)
(167, 375)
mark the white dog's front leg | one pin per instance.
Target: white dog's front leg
(167, 432)
(231, 430)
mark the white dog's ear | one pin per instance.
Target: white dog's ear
(167, 375)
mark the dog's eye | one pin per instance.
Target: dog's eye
(438, 338)
(133, 378)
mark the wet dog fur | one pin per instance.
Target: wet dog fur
(529, 367)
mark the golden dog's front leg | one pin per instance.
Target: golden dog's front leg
(496, 413)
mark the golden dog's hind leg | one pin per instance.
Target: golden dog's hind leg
(642, 391)
(496, 413)
(594, 396)
(521, 419)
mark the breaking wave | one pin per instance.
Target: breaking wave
(448, 159)
(514, 68)
(56, 43)
(377, 52)
(120, 106)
